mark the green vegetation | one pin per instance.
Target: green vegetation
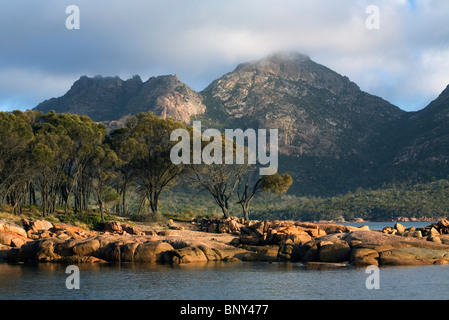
(68, 161)
(389, 202)
(87, 219)
(69, 166)
(90, 218)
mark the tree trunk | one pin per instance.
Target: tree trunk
(245, 207)
(100, 203)
(245, 213)
(153, 198)
(44, 201)
(32, 195)
(65, 199)
(225, 211)
(16, 209)
(124, 199)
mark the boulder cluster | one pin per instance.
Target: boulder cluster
(332, 244)
(274, 232)
(435, 232)
(309, 243)
(42, 241)
(42, 229)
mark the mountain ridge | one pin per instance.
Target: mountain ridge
(333, 137)
(111, 98)
(305, 100)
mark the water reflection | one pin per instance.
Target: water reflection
(220, 280)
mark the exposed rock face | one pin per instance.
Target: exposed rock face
(436, 232)
(313, 107)
(296, 67)
(121, 228)
(167, 97)
(328, 127)
(272, 232)
(36, 226)
(338, 251)
(333, 243)
(385, 249)
(100, 98)
(424, 135)
(109, 99)
(12, 239)
(257, 241)
(11, 236)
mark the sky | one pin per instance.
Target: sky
(400, 52)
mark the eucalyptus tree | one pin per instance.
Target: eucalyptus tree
(15, 137)
(84, 136)
(217, 176)
(125, 148)
(51, 152)
(250, 184)
(103, 171)
(153, 170)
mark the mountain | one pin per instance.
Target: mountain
(333, 137)
(107, 99)
(420, 143)
(327, 125)
(425, 135)
(317, 111)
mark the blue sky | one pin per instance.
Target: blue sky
(405, 61)
(412, 4)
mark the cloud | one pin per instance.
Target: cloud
(200, 40)
(20, 89)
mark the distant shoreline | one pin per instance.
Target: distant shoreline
(399, 219)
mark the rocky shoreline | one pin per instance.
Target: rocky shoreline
(228, 240)
(398, 219)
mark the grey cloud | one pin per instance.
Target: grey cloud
(201, 40)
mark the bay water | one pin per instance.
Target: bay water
(223, 281)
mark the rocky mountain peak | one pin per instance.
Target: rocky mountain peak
(167, 96)
(281, 63)
(332, 135)
(111, 98)
(295, 66)
(318, 112)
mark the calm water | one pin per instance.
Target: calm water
(222, 281)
